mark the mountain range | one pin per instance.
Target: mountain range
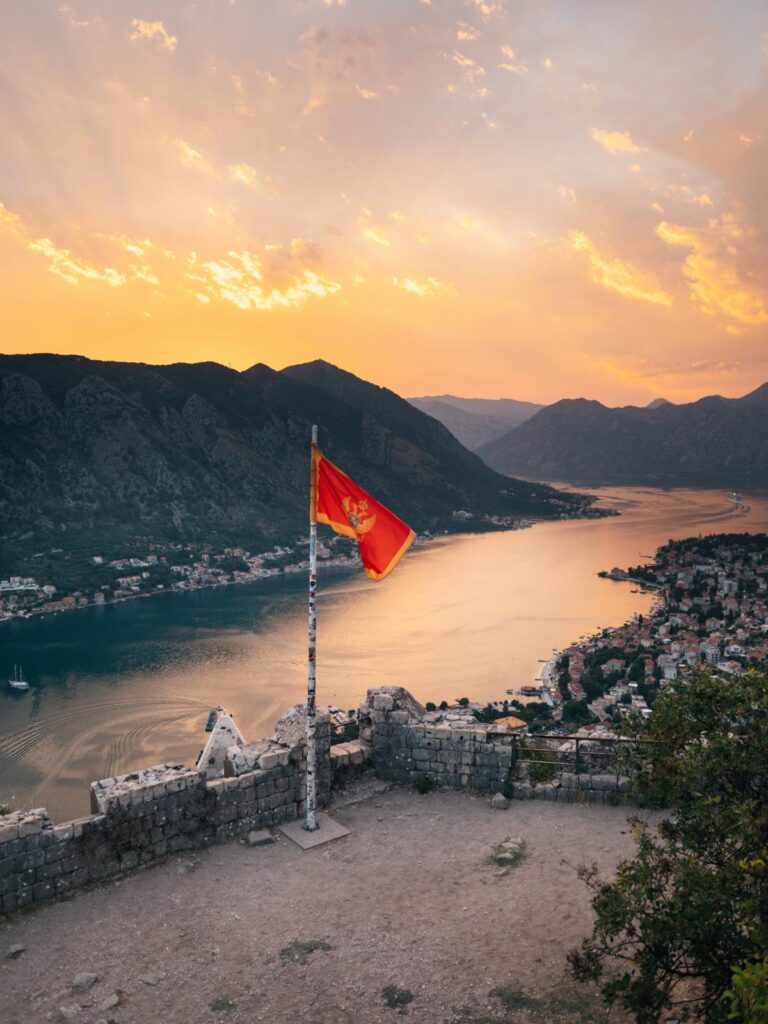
(714, 442)
(105, 457)
(474, 421)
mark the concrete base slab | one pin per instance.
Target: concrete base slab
(329, 830)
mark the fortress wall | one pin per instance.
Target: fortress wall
(140, 818)
(452, 750)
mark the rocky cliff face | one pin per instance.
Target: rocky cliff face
(95, 454)
(715, 442)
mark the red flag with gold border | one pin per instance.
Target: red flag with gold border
(338, 502)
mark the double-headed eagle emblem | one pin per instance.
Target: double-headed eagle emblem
(360, 518)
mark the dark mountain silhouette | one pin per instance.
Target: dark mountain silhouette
(714, 442)
(100, 457)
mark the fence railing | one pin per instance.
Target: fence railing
(586, 749)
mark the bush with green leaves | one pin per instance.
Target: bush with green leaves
(683, 926)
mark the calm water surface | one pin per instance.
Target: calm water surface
(124, 686)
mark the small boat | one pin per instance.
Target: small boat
(734, 497)
(17, 680)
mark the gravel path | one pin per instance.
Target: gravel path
(408, 899)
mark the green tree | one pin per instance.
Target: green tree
(686, 920)
(576, 712)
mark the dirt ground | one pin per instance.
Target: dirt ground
(408, 900)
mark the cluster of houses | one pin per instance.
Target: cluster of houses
(711, 609)
(176, 570)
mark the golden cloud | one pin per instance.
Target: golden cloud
(240, 280)
(467, 33)
(150, 30)
(73, 269)
(511, 63)
(377, 236)
(424, 288)
(714, 282)
(190, 157)
(617, 275)
(471, 68)
(616, 142)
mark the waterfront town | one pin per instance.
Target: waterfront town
(180, 567)
(177, 568)
(711, 609)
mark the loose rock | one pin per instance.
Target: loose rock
(110, 1002)
(260, 838)
(499, 802)
(151, 979)
(15, 952)
(82, 982)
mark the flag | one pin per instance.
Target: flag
(338, 502)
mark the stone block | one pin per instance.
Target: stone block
(269, 759)
(383, 702)
(42, 891)
(8, 832)
(603, 782)
(31, 825)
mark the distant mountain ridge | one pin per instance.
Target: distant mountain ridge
(713, 442)
(100, 456)
(474, 421)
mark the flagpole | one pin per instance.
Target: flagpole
(310, 823)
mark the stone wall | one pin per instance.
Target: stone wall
(451, 749)
(140, 818)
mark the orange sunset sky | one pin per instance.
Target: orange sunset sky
(526, 198)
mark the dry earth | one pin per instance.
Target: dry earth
(407, 900)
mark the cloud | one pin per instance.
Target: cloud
(239, 279)
(471, 68)
(487, 8)
(466, 33)
(150, 30)
(427, 287)
(190, 157)
(376, 235)
(512, 63)
(714, 282)
(73, 269)
(617, 275)
(70, 268)
(616, 142)
(244, 173)
(247, 175)
(567, 193)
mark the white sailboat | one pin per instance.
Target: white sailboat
(17, 680)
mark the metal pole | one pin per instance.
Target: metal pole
(310, 823)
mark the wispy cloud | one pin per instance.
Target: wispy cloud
(714, 282)
(511, 63)
(422, 288)
(615, 142)
(239, 279)
(152, 30)
(617, 275)
(190, 157)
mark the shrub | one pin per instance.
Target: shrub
(687, 918)
(396, 997)
(425, 784)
